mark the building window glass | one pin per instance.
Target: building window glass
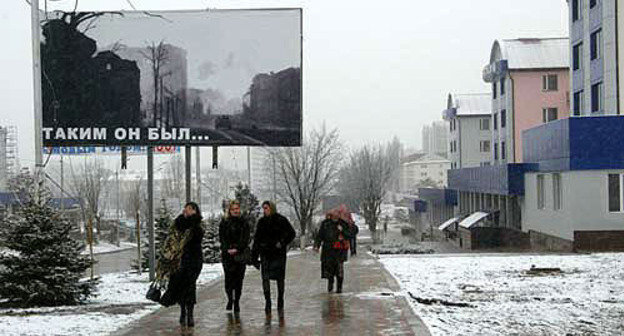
(503, 118)
(540, 191)
(495, 151)
(494, 90)
(485, 146)
(557, 191)
(596, 97)
(549, 83)
(595, 44)
(549, 114)
(593, 3)
(614, 193)
(495, 121)
(502, 86)
(576, 10)
(578, 102)
(485, 124)
(576, 56)
(503, 150)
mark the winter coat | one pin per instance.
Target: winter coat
(182, 260)
(234, 234)
(271, 230)
(328, 237)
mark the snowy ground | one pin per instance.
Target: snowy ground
(121, 300)
(586, 299)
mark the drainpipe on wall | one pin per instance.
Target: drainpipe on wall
(513, 124)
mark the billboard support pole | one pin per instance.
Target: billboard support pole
(187, 157)
(249, 167)
(150, 214)
(36, 37)
(198, 175)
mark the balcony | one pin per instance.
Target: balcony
(505, 179)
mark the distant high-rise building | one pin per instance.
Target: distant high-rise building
(435, 138)
(9, 156)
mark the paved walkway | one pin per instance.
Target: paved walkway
(367, 306)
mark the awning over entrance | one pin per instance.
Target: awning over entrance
(448, 223)
(473, 219)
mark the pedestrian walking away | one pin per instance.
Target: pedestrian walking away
(333, 239)
(234, 238)
(273, 234)
(181, 262)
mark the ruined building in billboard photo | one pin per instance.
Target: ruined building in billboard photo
(275, 99)
(82, 87)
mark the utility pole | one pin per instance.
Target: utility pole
(187, 154)
(249, 167)
(150, 215)
(118, 215)
(198, 175)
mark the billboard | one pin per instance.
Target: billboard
(214, 77)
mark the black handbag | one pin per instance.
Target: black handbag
(153, 293)
(243, 257)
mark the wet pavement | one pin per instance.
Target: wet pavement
(369, 305)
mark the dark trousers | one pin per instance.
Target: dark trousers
(353, 244)
(234, 276)
(266, 287)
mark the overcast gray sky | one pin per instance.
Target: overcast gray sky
(373, 69)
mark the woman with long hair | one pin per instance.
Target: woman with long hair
(234, 238)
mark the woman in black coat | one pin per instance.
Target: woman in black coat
(185, 238)
(333, 236)
(234, 237)
(273, 234)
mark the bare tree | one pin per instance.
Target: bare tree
(307, 173)
(89, 182)
(133, 198)
(367, 179)
(158, 57)
(174, 178)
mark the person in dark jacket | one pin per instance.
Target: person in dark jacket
(273, 234)
(333, 236)
(234, 237)
(182, 262)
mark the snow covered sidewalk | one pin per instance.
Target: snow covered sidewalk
(120, 300)
(586, 298)
(104, 247)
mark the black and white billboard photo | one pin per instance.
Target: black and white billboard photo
(214, 77)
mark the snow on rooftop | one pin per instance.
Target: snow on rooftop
(472, 104)
(536, 53)
(472, 219)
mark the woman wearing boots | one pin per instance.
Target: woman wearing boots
(234, 238)
(182, 262)
(333, 235)
(273, 234)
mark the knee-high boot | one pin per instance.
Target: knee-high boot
(189, 315)
(182, 314)
(266, 287)
(339, 285)
(280, 295)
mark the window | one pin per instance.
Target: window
(592, 3)
(549, 114)
(484, 124)
(503, 117)
(596, 97)
(556, 191)
(494, 90)
(423, 173)
(576, 10)
(502, 86)
(540, 191)
(451, 146)
(485, 146)
(615, 193)
(495, 121)
(576, 56)
(578, 103)
(503, 150)
(549, 83)
(595, 44)
(495, 151)
(485, 163)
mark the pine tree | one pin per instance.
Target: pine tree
(211, 244)
(250, 207)
(44, 265)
